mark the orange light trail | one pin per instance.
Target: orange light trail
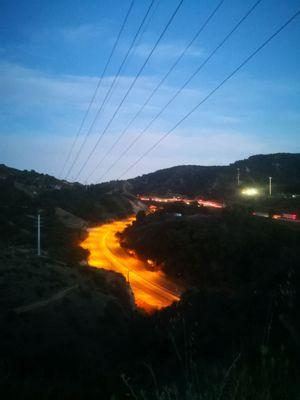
(151, 289)
(178, 199)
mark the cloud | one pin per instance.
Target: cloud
(59, 100)
(168, 50)
(41, 114)
(80, 33)
(71, 35)
(41, 109)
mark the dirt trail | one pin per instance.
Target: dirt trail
(42, 303)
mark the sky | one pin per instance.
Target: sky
(52, 54)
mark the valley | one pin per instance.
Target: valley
(152, 289)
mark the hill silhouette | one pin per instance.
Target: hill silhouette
(220, 181)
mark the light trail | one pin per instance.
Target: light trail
(151, 289)
(179, 199)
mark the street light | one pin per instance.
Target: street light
(250, 191)
(270, 185)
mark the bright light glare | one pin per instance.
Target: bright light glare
(250, 191)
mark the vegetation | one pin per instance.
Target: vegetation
(243, 276)
(225, 250)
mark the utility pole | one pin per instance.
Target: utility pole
(238, 177)
(270, 185)
(39, 234)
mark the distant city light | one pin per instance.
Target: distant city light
(250, 191)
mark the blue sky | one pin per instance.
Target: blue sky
(52, 53)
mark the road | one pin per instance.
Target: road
(151, 289)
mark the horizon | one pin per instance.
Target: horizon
(51, 63)
(157, 170)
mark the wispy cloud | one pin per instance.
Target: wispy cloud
(168, 50)
(58, 97)
(37, 106)
(41, 114)
(81, 33)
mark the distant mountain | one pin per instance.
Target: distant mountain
(220, 181)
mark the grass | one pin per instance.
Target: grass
(268, 380)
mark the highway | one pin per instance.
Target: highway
(151, 289)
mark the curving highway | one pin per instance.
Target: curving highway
(152, 289)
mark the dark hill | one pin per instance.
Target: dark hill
(34, 190)
(220, 181)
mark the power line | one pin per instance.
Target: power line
(130, 87)
(39, 234)
(97, 87)
(190, 78)
(253, 54)
(189, 45)
(110, 88)
(149, 20)
(146, 25)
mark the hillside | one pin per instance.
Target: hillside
(41, 191)
(70, 332)
(220, 181)
(53, 309)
